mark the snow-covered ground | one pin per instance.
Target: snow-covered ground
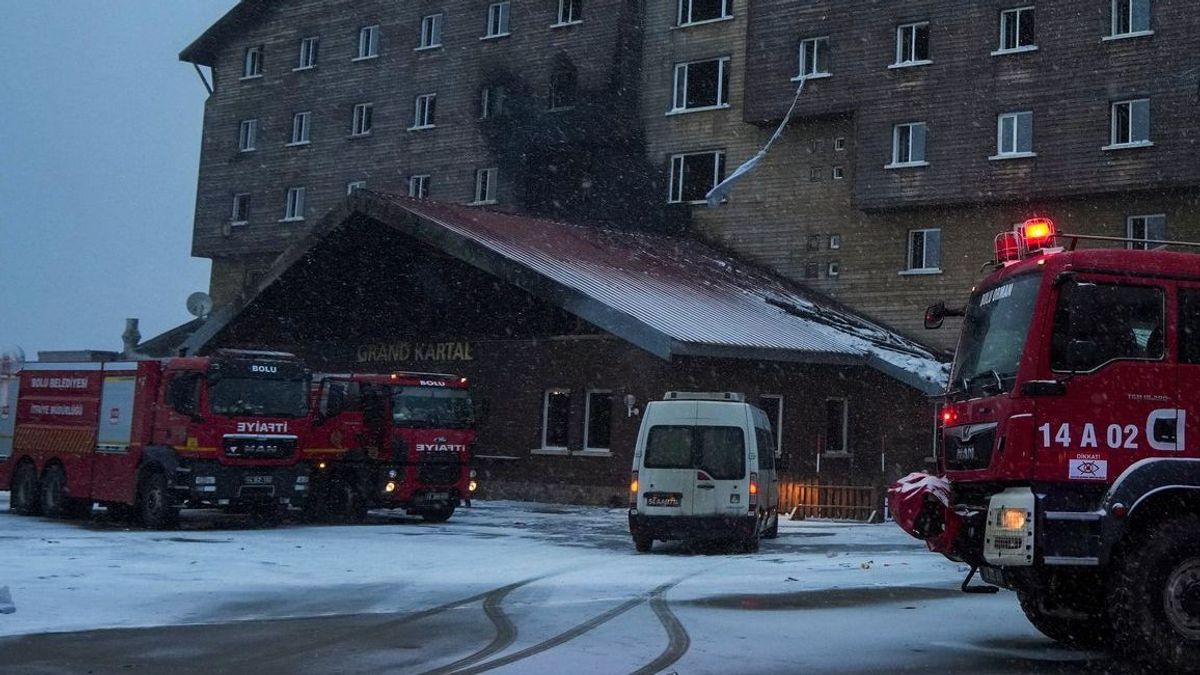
(530, 588)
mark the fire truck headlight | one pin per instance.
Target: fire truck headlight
(472, 486)
(390, 487)
(392, 473)
(473, 474)
(1011, 519)
(206, 480)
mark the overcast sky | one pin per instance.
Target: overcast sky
(99, 144)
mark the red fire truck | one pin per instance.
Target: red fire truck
(397, 440)
(1070, 441)
(152, 437)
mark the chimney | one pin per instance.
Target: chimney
(131, 337)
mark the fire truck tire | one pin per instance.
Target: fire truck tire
(642, 544)
(750, 544)
(1155, 594)
(438, 515)
(154, 503)
(54, 492)
(1082, 632)
(25, 500)
(345, 503)
(772, 531)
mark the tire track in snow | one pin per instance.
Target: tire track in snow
(506, 632)
(678, 639)
(568, 635)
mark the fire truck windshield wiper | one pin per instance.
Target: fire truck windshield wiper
(968, 381)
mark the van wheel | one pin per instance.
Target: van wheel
(643, 544)
(155, 505)
(772, 531)
(25, 500)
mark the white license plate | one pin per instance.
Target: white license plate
(437, 497)
(258, 480)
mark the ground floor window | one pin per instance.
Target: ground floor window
(556, 419)
(598, 430)
(836, 423)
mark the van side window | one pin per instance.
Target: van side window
(766, 448)
(1095, 323)
(1189, 326)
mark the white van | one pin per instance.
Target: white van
(704, 468)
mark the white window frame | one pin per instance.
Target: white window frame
(498, 16)
(683, 17)
(805, 70)
(248, 135)
(1011, 14)
(424, 112)
(355, 185)
(839, 144)
(681, 71)
(1113, 143)
(833, 269)
(418, 186)
(238, 200)
(679, 159)
(553, 450)
(431, 31)
(908, 252)
(301, 126)
(363, 120)
(566, 17)
(308, 53)
(845, 449)
(252, 63)
(839, 172)
(485, 185)
(901, 62)
(587, 421)
(1114, 32)
(368, 43)
(910, 162)
(1129, 220)
(293, 209)
(1014, 137)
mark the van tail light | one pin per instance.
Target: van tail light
(633, 489)
(753, 491)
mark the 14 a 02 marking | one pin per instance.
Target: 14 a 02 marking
(1116, 436)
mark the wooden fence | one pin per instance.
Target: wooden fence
(811, 499)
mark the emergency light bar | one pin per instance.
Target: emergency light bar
(1035, 234)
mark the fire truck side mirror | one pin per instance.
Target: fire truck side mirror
(934, 315)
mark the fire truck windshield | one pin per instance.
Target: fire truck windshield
(430, 406)
(236, 396)
(993, 337)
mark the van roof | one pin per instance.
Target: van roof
(723, 396)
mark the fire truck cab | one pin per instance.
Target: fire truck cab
(1070, 440)
(394, 440)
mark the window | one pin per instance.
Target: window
(423, 111)
(815, 173)
(765, 441)
(485, 186)
(908, 144)
(814, 58)
(701, 85)
(835, 242)
(431, 32)
(556, 419)
(925, 250)
(241, 209)
(839, 143)
(1130, 17)
(1152, 228)
(569, 11)
(361, 124)
(497, 20)
(295, 204)
(839, 173)
(356, 185)
(368, 43)
(491, 102)
(912, 44)
(300, 128)
(563, 83)
(772, 405)
(812, 243)
(836, 425)
(718, 451)
(1189, 325)
(812, 270)
(833, 269)
(693, 175)
(418, 186)
(308, 54)
(1130, 123)
(598, 431)
(252, 65)
(1014, 134)
(699, 11)
(1095, 323)
(1016, 30)
(247, 135)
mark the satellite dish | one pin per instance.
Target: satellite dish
(199, 304)
(12, 359)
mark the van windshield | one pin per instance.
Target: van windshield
(718, 451)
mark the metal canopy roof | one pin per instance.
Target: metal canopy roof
(670, 295)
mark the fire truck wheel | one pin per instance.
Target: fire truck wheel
(1155, 594)
(343, 502)
(154, 503)
(438, 515)
(750, 544)
(772, 531)
(54, 492)
(25, 500)
(642, 544)
(1085, 632)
